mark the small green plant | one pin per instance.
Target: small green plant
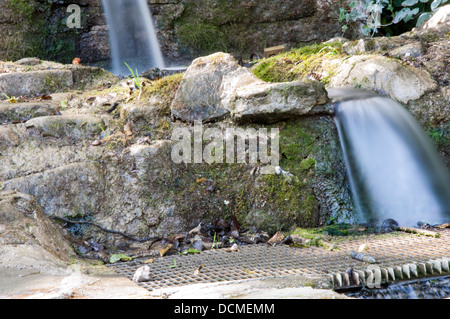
(136, 78)
(381, 14)
(11, 99)
(106, 133)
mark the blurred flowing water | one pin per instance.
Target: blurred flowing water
(132, 36)
(435, 288)
(394, 170)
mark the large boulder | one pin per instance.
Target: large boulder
(272, 102)
(199, 96)
(385, 75)
(216, 86)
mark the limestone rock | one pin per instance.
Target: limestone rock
(439, 21)
(65, 191)
(216, 85)
(385, 75)
(29, 61)
(271, 102)
(23, 222)
(35, 82)
(9, 136)
(413, 50)
(18, 112)
(199, 95)
(76, 126)
(142, 274)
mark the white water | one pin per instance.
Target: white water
(132, 36)
(394, 170)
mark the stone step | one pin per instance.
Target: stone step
(77, 126)
(36, 82)
(19, 112)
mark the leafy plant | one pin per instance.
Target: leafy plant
(136, 78)
(11, 99)
(380, 14)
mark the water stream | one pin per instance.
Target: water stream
(394, 170)
(132, 36)
(433, 288)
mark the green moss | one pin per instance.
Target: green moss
(308, 163)
(207, 30)
(165, 88)
(297, 64)
(204, 37)
(35, 36)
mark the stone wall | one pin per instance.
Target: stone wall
(186, 28)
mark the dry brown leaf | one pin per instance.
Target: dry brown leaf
(278, 237)
(201, 180)
(127, 129)
(163, 251)
(446, 225)
(197, 271)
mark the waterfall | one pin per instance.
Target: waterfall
(132, 36)
(394, 170)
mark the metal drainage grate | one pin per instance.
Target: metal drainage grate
(399, 257)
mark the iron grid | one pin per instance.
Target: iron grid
(263, 260)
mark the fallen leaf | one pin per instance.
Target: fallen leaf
(119, 257)
(96, 143)
(362, 248)
(191, 251)
(446, 225)
(44, 98)
(127, 129)
(197, 271)
(163, 251)
(201, 180)
(149, 261)
(278, 237)
(233, 248)
(249, 272)
(196, 230)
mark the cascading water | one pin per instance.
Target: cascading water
(394, 170)
(132, 36)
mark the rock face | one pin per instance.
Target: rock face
(186, 28)
(216, 86)
(104, 155)
(23, 223)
